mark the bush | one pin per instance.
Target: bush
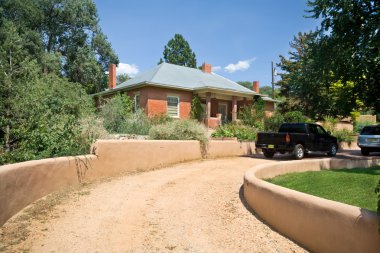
(343, 135)
(179, 130)
(115, 112)
(49, 121)
(296, 117)
(240, 131)
(273, 123)
(160, 119)
(253, 115)
(329, 124)
(136, 123)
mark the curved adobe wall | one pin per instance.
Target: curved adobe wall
(23, 183)
(318, 224)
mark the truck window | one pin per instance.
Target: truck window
(313, 129)
(296, 128)
(320, 130)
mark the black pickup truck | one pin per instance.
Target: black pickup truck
(297, 138)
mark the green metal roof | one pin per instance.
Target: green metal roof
(174, 76)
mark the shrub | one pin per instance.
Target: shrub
(196, 108)
(240, 131)
(136, 123)
(160, 119)
(253, 115)
(179, 130)
(296, 117)
(329, 123)
(49, 121)
(343, 135)
(115, 112)
(273, 123)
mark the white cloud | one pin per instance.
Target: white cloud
(216, 68)
(129, 69)
(239, 66)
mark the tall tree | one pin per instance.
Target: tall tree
(68, 38)
(178, 52)
(350, 29)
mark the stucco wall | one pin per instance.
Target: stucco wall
(318, 224)
(23, 183)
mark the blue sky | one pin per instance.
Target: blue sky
(238, 37)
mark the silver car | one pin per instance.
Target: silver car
(369, 139)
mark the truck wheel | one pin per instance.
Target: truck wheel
(365, 151)
(299, 152)
(332, 150)
(268, 153)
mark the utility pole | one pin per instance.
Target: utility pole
(273, 80)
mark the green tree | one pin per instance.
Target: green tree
(246, 84)
(64, 33)
(178, 52)
(350, 31)
(122, 78)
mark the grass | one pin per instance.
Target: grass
(351, 186)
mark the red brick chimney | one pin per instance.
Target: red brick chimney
(256, 86)
(112, 76)
(206, 68)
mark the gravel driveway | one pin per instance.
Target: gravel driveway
(190, 207)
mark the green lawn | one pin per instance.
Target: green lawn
(351, 186)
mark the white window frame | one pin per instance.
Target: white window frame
(167, 105)
(137, 103)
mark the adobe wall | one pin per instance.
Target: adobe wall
(318, 224)
(23, 183)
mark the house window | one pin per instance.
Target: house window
(173, 106)
(137, 102)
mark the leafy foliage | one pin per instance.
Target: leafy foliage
(240, 131)
(253, 115)
(333, 70)
(63, 36)
(196, 108)
(350, 30)
(330, 125)
(115, 113)
(122, 78)
(178, 52)
(52, 119)
(273, 123)
(179, 130)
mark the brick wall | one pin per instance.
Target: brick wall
(153, 100)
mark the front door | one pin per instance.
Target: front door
(222, 109)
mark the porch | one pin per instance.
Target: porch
(222, 108)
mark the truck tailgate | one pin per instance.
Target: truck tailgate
(271, 138)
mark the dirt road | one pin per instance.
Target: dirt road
(191, 207)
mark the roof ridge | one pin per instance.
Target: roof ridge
(159, 66)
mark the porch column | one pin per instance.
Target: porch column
(208, 104)
(234, 108)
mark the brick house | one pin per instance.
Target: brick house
(169, 89)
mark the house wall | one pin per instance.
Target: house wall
(153, 100)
